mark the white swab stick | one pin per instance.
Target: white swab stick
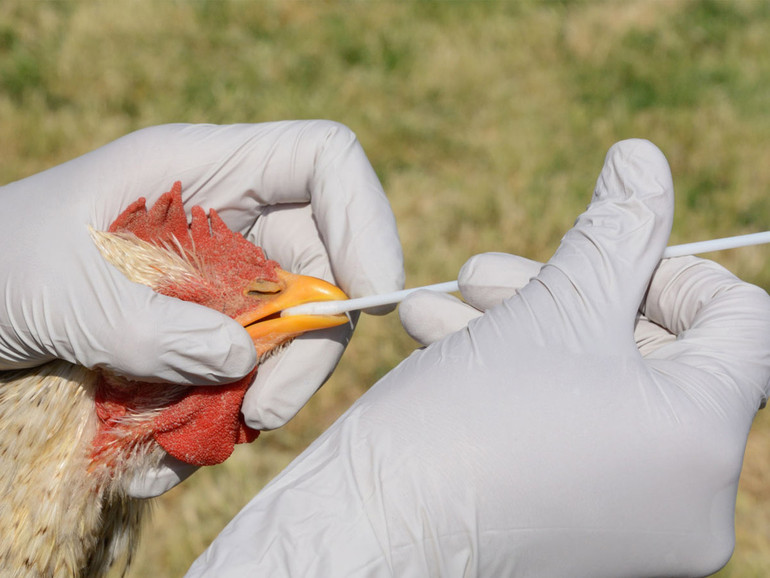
(716, 245)
(337, 307)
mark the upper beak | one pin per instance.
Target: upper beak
(268, 329)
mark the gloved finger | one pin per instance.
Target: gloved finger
(169, 473)
(722, 326)
(288, 379)
(490, 278)
(428, 316)
(599, 274)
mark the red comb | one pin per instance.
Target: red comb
(226, 254)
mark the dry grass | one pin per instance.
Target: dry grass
(486, 121)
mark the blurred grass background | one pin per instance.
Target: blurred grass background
(487, 123)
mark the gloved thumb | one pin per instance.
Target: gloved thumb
(151, 337)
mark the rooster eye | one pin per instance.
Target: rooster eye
(262, 286)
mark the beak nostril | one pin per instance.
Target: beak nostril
(264, 287)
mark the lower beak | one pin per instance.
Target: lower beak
(264, 324)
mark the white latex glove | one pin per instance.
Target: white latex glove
(538, 441)
(303, 190)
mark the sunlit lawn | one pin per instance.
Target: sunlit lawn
(486, 121)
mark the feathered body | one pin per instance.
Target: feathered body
(72, 439)
(57, 518)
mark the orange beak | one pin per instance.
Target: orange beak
(263, 322)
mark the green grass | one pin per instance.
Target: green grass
(486, 121)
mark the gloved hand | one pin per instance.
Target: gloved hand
(538, 440)
(302, 190)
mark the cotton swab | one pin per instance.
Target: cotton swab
(337, 307)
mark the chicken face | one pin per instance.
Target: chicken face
(206, 263)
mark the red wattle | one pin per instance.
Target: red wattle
(200, 427)
(203, 427)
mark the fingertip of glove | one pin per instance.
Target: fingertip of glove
(212, 349)
(634, 147)
(287, 380)
(488, 268)
(635, 150)
(263, 419)
(428, 316)
(490, 278)
(167, 474)
(237, 355)
(412, 307)
(634, 167)
(225, 352)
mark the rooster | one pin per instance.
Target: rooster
(73, 438)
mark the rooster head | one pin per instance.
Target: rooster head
(206, 263)
(202, 261)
